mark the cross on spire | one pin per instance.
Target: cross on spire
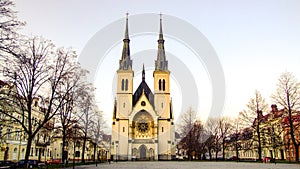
(143, 73)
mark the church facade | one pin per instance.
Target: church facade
(143, 123)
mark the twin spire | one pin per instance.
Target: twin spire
(160, 63)
(126, 62)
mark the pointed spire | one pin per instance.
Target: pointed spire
(126, 28)
(161, 63)
(126, 62)
(143, 73)
(161, 37)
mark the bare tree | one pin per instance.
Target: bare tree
(85, 112)
(97, 131)
(66, 112)
(9, 25)
(288, 96)
(37, 70)
(236, 136)
(253, 117)
(213, 142)
(225, 127)
(185, 129)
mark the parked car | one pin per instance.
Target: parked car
(31, 164)
(7, 164)
(54, 161)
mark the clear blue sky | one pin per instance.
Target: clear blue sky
(256, 40)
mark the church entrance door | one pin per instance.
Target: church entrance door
(143, 152)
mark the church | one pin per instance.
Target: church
(143, 122)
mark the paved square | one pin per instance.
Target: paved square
(190, 165)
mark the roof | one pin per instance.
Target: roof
(143, 87)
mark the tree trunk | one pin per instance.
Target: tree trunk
(223, 149)
(259, 145)
(297, 153)
(217, 154)
(258, 134)
(236, 150)
(28, 148)
(209, 153)
(83, 148)
(63, 157)
(95, 147)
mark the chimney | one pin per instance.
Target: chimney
(274, 108)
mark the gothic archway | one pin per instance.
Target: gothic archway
(151, 153)
(143, 152)
(143, 125)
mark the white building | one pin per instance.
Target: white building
(143, 121)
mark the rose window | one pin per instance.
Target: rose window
(143, 127)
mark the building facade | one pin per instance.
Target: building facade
(47, 143)
(143, 121)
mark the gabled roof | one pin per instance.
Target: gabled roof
(143, 87)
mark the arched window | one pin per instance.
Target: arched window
(126, 85)
(122, 86)
(159, 84)
(164, 88)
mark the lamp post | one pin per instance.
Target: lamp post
(117, 153)
(74, 128)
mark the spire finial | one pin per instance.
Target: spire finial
(160, 28)
(143, 73)
(126, 28)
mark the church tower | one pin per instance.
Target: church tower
(162, 100)
(123, 103)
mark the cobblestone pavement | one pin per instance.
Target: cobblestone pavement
(189, 165)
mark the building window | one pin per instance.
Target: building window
(17, 136)
(9, 133)
(164, 85)
(126, 85)
(123, 105)
(1, 128)
(162, 129)
(77, 154)
(162, 105)
(123, 129)
(122, 85)
(159, 84)
(31, 153)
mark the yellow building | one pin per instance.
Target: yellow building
(272, 138)
(13, 138)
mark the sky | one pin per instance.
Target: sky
(255, 41)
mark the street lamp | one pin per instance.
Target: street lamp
(74, 128)
(117, 153)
